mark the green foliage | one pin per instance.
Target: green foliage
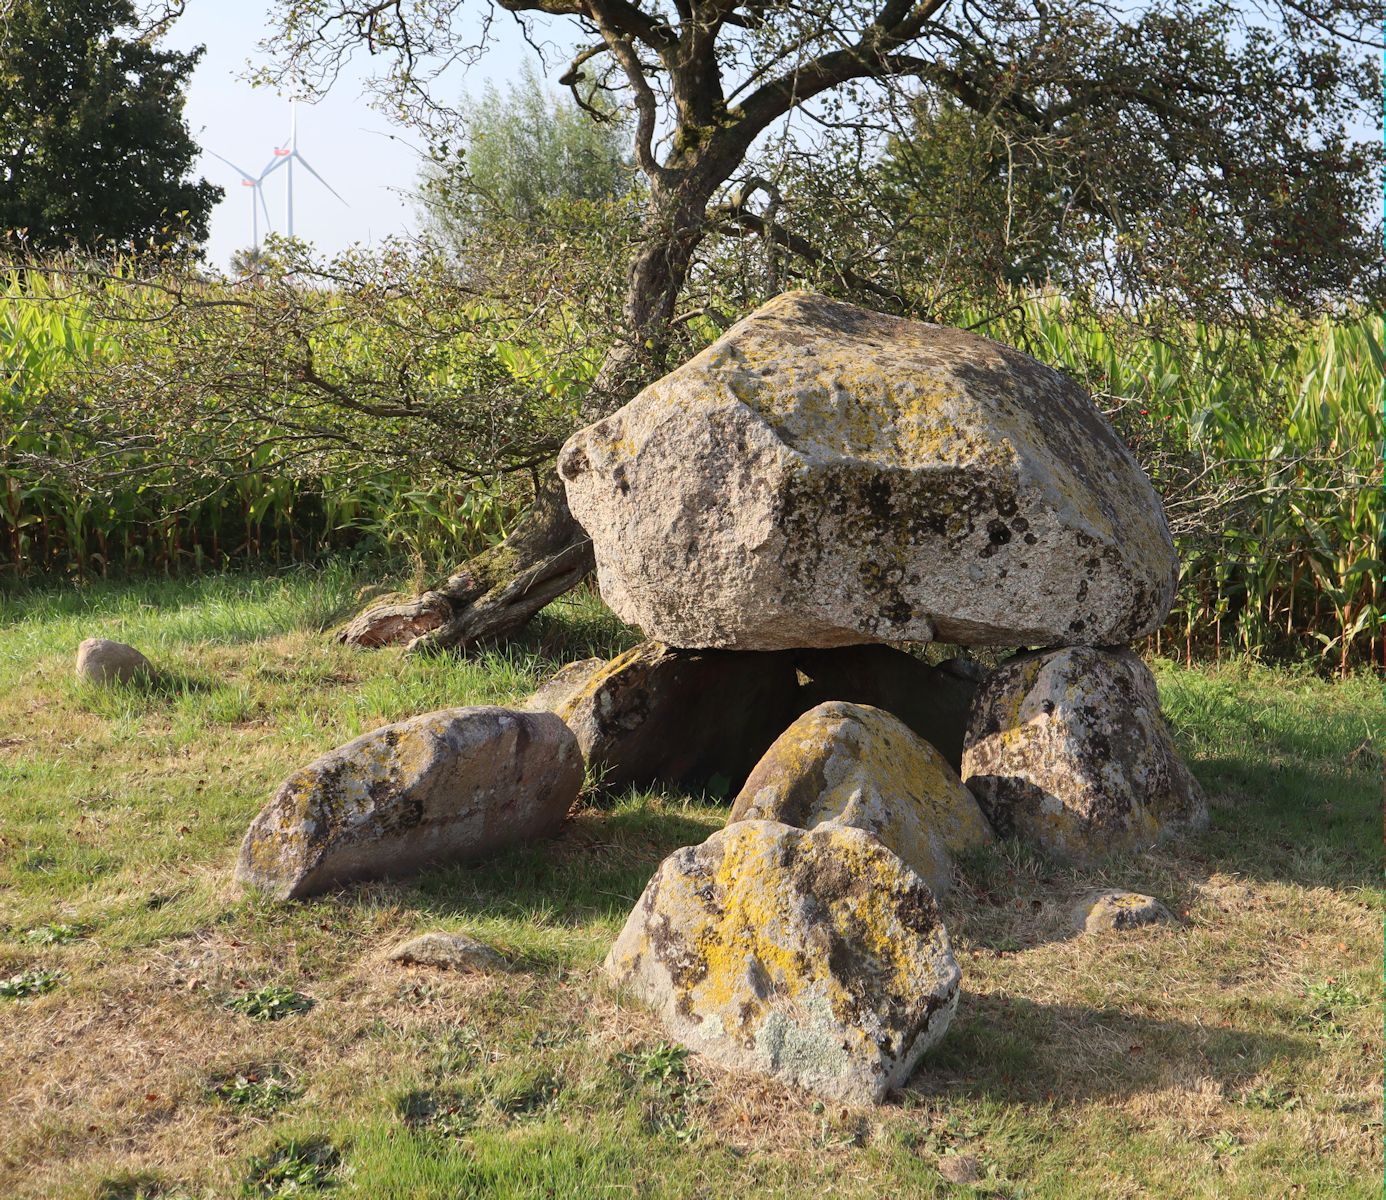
(270, 1003)
(34, 982)
(55, 935)
(293, 1167)
(257, 1092)
(94, 150)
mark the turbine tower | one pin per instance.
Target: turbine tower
(284, 156)
(257, 196)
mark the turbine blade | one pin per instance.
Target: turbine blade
(304, 163)
(244, 173)
(269, 227)
(273, 165)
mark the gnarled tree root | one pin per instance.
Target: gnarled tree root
(491, 595)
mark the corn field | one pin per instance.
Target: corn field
(1268, 456)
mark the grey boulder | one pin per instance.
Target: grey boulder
(814, 956)
(1067, 749)
(449, 951)
(823, 475)
(848, 764)
(446, 787)
(1113, 910)
(101, 661)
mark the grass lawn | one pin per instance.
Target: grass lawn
(1238, 1054)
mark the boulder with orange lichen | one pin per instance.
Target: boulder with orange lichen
(446, 787)
(823, 475)
(849, 764)
(815, 956)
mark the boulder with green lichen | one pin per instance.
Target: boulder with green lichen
(849, 764)
(816, 956)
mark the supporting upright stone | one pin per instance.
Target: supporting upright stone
(1067, 749)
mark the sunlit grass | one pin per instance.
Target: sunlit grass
(1234, 1055)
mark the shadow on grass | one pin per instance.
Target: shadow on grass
(1009, 1049)
(595, 871)
(1292, 822)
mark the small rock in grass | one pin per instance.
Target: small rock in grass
(446, 787)
(450, 951)
(960, 1168)
(1112, 909)
(101, 661)
(850, 764)
(815, 956)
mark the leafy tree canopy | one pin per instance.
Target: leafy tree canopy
(525, 151)
(93, 147)
(1209, 152)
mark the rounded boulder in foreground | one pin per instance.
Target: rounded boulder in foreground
(101, 661)
(823, 475)
(816, 956)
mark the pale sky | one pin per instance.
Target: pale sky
(351, 145)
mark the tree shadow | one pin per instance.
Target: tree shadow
(1009, 1049)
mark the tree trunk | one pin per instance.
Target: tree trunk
(497, 592)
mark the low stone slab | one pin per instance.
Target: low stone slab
(1113, 909)
(446, 787)
(932, 701)
(680, 717)
(102, 661)
(848, 764)
(1067, 749)
(815, 956)
(448, 951)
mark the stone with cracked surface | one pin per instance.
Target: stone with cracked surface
(445, 787)
(1067, 750)
(814, 956)
(823, 475)
(849, 764)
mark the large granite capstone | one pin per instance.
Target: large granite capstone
(823, 475)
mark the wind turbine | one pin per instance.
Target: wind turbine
(258, 194)
(285, 156)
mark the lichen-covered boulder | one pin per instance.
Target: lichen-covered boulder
(822, 475)
(1114, 911)
(1067, 749)
(815, 956)
(562, 686)
(446, 787)
(848, 764)
(687, 718)
(102, 661)
(932, 701)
